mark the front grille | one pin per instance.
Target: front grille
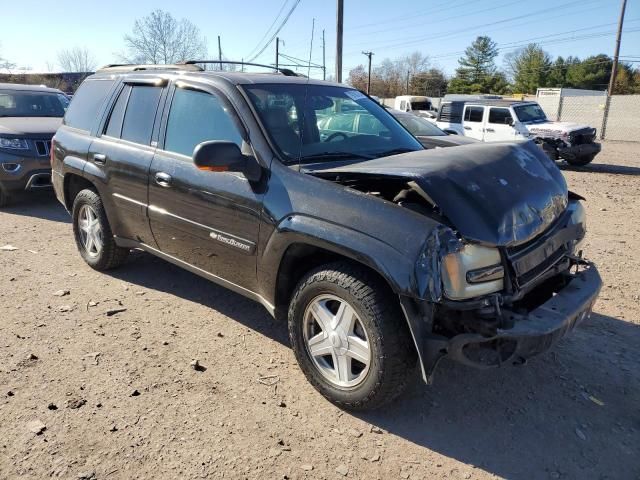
(43, 147)
(532, 259)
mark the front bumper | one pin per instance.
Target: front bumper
(579, 151)
(532, 333)
(20, 173)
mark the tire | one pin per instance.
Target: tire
(5, 200)
(378, 322)
(580, 161)
(103, 253)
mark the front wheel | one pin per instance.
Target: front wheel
(349, 337)
(92, 233)
(581, 161)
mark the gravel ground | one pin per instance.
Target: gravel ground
(86, 393)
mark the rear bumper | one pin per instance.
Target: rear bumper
(535, 332)
(579, 151)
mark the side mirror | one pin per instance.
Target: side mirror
(223, 156)
(509, 121)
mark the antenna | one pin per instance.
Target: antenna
(313, 26)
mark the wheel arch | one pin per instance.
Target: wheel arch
(73, 184)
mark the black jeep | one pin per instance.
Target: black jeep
(381, 254)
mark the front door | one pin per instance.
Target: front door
(473, 121)
(207, 219)
(498, 127)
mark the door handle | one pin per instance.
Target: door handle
(99, 158)
(467, 128)
(489, 130)
(163, 179)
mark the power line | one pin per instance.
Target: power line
(284, 22)
(270, 27)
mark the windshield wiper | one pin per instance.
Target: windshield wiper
(395, 151)
(335, 156)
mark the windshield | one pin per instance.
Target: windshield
(531, 113)
(19, 103)
(424, 105)
(419, 126)
(311, 123)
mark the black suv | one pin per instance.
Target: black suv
(379, 253)
(29, 116)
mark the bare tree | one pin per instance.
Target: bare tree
(160, 38)
(76, 59)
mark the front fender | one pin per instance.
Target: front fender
(394, 266)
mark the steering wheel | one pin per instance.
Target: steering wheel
(336, 135)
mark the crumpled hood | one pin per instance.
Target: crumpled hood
(493, 193)
(432, 141)
(36, 127)
(555, 128)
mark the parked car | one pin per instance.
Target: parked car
(29, 116)
(380, 254)
(417, 104)
(498, 120)
(427, 133)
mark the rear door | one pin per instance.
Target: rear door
(208, 219)
(123, 151)
(498, 127)
(473, 121)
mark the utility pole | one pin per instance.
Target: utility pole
(219, 53)
(408, 73)
(324, 58)
(339, 24)
(277, 51)
(369, 54)
(614, 69)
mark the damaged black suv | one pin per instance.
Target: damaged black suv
(380, 254)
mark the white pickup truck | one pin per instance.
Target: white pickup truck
(416, 104)
(499, 120)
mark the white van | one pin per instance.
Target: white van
(417, 104)
(499, 120)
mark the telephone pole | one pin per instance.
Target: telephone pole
(339, 23)
(277, 51)
(324, 58)
(369, 55)
(614, 68)
(219, 52)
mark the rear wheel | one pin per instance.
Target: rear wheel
(92, 233)
(581, 161)
(349, 337)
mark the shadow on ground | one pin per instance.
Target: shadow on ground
(601, 168)
(150, 272)
(570, 413)
(42, 205)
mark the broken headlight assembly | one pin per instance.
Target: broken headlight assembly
(13, 143)
(472, 272)
(578, 217)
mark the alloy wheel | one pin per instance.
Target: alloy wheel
(90, 231)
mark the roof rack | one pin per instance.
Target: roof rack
(131, 67)
(284, 71)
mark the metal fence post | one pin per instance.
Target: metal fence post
(605, 117)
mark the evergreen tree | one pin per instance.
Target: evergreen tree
(530, 67)
(477, 70)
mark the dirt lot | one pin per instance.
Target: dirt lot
(119, 400)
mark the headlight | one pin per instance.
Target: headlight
(14, 143)
(472, 272)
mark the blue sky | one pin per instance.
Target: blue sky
(32, 34)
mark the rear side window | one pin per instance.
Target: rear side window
(473, 114)
(86, 105)
(141, 113)
(500, 115)
(197, 117)
(370, 125)
(114, 128)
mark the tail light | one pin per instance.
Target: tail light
(52, 150)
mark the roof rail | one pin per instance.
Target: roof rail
(284, 71)
(131, 67)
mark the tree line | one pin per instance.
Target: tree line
(524, 71)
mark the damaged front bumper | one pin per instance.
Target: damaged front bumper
(531, 334)
(579, 151)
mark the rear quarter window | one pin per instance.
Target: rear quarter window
(86, 105)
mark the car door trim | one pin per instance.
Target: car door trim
(228, 239)
(128, 243)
